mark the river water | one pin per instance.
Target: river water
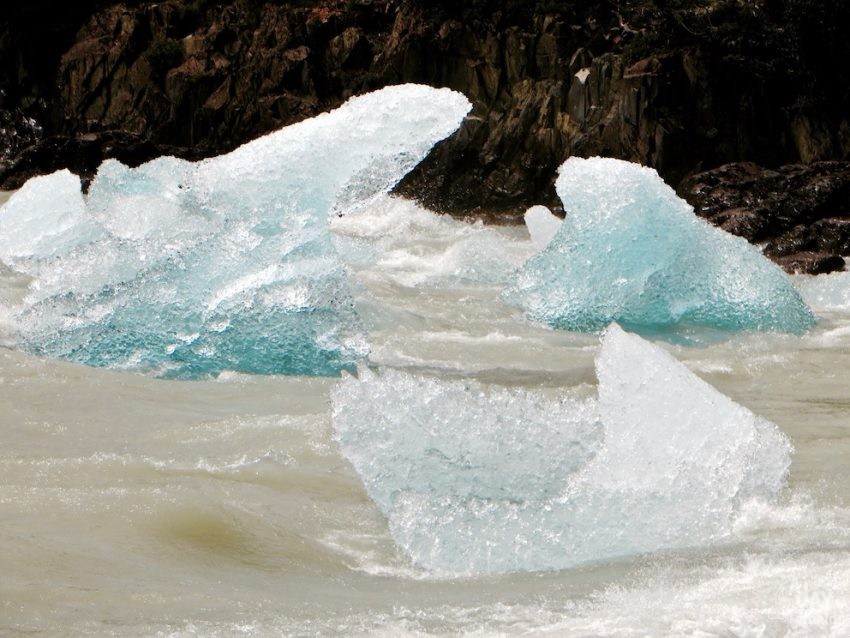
(135, 506)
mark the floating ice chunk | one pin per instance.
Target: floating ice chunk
(44, 218)
(340, 160)
(631, 251)
(174, 248)
(542, 225)
(456, 439)
(668, 430)
(477, 479)
(136, 203)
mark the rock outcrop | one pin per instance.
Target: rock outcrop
(800, 212)
(679, 86)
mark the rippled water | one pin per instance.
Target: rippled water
(137, 506)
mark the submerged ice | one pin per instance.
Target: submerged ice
(188, 269)
(476, 479)
(631, 251)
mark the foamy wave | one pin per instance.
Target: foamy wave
(398, 240)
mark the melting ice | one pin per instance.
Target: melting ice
(188, 269)
(542, 225)
(631, 251)
(477, 479)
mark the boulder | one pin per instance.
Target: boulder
(799, 212)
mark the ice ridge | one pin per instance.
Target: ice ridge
(188, 269)
(631, 251)
(479, 479)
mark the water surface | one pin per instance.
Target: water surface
(134, 506)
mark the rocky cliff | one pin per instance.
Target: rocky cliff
(683, 86)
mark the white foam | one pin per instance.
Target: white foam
(400, 241)
(825, 293)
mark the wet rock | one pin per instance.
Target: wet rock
(676, 86)
(811, 263)
(350, 50)
(84, 152)
(801, 212)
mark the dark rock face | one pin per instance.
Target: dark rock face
(674, 85)
(682, 86)
(802, 212)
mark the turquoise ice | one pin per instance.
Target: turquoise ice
(631, 251)
(188, 269)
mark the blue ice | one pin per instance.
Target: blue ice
(630, 250)
(188, 269)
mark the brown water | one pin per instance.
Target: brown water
(136, 506)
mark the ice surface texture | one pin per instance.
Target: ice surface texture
(187, 269)
(631, 251)
(542, 225)
(478, 479)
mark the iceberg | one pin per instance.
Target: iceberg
(542, 225)
(405, 433)
(188, 269)
(478, 479)
(633, 252)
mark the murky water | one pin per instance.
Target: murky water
(136, 506)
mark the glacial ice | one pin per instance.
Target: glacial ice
(459, 439)
(187, 269)
(476, 479)
(542, 225)
(46, 217)
(631, 251)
